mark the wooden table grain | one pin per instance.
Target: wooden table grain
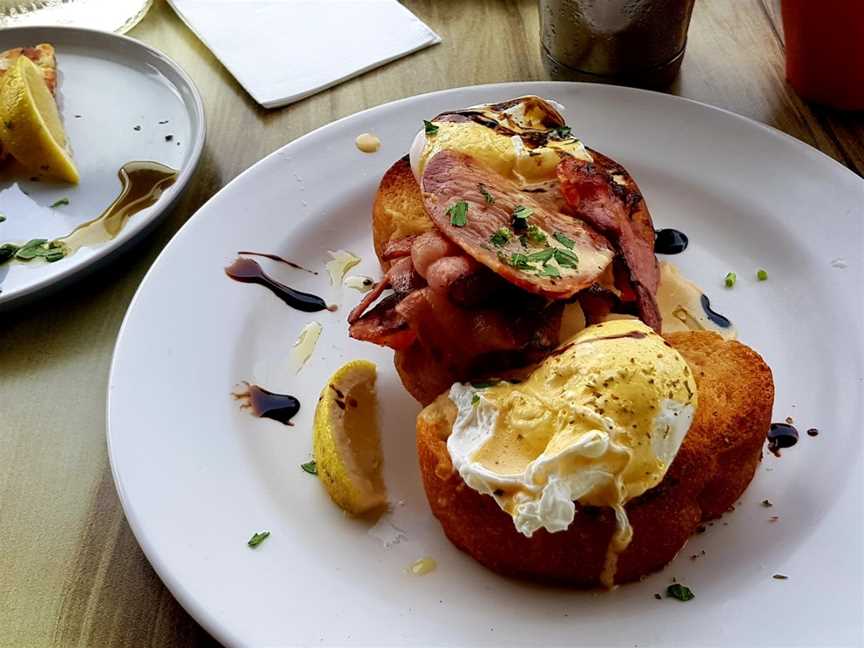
(71, 572)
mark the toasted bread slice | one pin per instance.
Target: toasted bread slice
(714, 465)
(398, 209)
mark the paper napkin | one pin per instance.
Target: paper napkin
(283, 50)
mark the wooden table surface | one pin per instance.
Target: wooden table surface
(71, 572)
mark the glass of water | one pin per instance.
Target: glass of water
(104, 15)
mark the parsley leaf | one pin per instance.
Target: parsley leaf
(536, 234)
(258, 538)
(57, 203)
(520, 262)
(488, 197)
(458, 214)
(550, 271)
(431, 129)
(542, 256)
(310, 467)
(680, 592)
(564, 240)
(521, 212)
(500, 237)
(566, 259)
(562, 132)
(475, 399)
(7, 251)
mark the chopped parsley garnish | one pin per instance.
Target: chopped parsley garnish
(536, 234)
(488, 197)
(542, 256)
(562, 132)
(501, 237)
(7, 251)
(431, 129)
(566, 259)
(458, 214)
(258, 538)
(53, 251)
(57, 203)
(475, 399)
(564, 240)
(780, 577)
(310, 467)
(2, 218)
(483, 384)
(520, 261)
(549, 271)
(762, 274)
(767, 503)
(680, 592)
(521, 212)
(730, 278)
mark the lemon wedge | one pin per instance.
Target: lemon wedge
(30, 126)
(346, 440)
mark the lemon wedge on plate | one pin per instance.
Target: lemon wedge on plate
(30, 126)
(346, 440)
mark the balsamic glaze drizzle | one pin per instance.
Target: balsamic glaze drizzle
(249, 271)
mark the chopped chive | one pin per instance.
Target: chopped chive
(430, 128)
(258, 538)
(458, 214)
(488, 197)
(730, 279)
(57, 203)
(564, 240)
(520, 261)
(549, 271)
(762, 274)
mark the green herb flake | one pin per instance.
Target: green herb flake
(730, 279)
(680, 592)
(429, 127)
(488, 197)
(542, 256)
(458, 214)
(501, 237)
(483, 384)
(57, 203)
(780, 577)
(550, 271)
(521, 212)
(310, 467)
(2, 218)
(564, 240)
(536, 235)
(566, 259)
(520, 261)
(475, 399)
(258, 538)
(762, 274)
(7, 251)
(562, 132)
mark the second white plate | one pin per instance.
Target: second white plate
(120, 101)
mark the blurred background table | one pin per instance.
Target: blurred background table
(71, 572)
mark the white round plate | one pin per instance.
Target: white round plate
(107, 86)
(197, 476)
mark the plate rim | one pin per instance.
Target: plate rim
(184, 596)
(105, 252)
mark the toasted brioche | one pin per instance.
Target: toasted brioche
(398, 208)
(715, 464)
